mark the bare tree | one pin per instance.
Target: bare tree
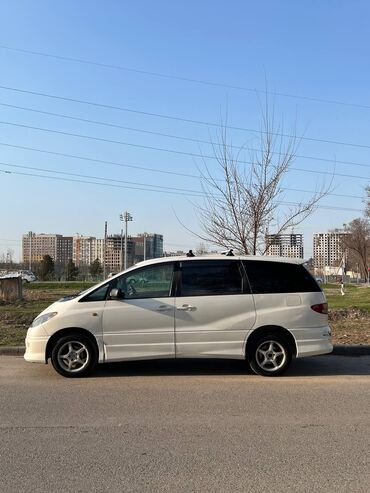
(243, 202)
(357, 241)
(367, 210)
(201, 250)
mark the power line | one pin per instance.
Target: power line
(154, 170)
(146, 189)
(89, 182)
(178, 137)
(185, 79)
(101, 161)
(161, 149)
(115, 180)
(177, 118)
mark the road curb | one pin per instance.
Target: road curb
(12, 350)
(351, 349)
(338, 350)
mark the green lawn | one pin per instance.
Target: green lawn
(356, 297)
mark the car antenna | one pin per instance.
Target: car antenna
(190, 253)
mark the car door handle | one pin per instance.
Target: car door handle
(186, 308)
(163, 308)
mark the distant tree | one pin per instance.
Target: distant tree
(95, 268)
(71, 271)
(46, 268)
(9, 257)
(201, 250)
(357, 241)
(367, 210)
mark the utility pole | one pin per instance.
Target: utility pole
(126, 217)
(30, 251)
(145, 235)
(121, 256)
(105, 249)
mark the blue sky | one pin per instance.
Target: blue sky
(314, 49)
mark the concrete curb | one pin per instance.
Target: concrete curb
(339, 350)
(351, 349)
(12, 350)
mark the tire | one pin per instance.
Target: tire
(74, 356)
(270, 355)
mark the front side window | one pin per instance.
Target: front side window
(211, 277)
(154, 281)
(99, 294)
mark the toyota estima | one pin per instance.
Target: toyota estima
(263, 310)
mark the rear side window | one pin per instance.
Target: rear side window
(279, 277)
(207, 278)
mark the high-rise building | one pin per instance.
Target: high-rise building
(59, 247)
(284, 245)
(86, 249)
(153, 246)
(115, 252)
(83, 250)
(329, 253)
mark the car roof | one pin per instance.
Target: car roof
(287, 260)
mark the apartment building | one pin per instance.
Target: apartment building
(153, 244)
(329, 254)
(83, 250)
(36, 245)
(285, 245)
(115, 251)
(86, 249)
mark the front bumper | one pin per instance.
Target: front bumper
(36, 349)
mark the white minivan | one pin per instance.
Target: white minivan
(264, 310)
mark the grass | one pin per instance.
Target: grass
(356, 297)
(15, 318)
(349, 314)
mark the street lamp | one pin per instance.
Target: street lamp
(126, 217)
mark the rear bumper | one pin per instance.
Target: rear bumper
(311, 341)
(36, 349)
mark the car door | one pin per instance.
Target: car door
(140, 324)
(214, 309)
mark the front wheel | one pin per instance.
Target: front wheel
(270, 355)
(74, 356)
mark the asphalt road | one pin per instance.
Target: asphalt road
(186, 426)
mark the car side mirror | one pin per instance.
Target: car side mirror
(116, 294)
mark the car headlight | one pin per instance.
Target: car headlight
(43, 318)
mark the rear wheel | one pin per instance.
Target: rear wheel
(74, 356)
(270, 355)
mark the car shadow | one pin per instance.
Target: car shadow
(327, 365)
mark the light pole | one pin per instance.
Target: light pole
(126, 216)
(30, 251)
(121, 256)
(145, 237)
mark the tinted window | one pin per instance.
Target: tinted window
(154, 281)
(99, 294)
(201, 278)
(279, 277)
